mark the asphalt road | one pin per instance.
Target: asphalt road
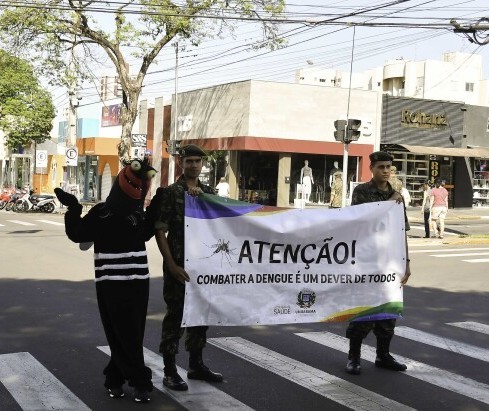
(48, 309)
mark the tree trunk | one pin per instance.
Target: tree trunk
(129, 111)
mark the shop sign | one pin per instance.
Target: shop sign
(434, 168)
(419, 119)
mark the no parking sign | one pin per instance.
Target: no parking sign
(71, 156)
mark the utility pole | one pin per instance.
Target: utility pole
(474, 32)
(173, 141)
(73, 103)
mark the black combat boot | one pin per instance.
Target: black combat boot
(384, 359)
(199, 371)
(171, 379)
(353, 365)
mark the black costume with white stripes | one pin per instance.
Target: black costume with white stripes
(122, 285)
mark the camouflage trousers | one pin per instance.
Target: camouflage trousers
(171, 330)
(360, 329)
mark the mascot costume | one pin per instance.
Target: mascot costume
(118, 229)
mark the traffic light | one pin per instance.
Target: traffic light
(353, 129)
(339, 134)
(173, 146)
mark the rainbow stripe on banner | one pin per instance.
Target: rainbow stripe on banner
(251, 264)
(207, 206)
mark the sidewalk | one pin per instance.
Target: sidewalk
(476, 213)
(454, 215)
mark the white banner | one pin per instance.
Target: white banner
(251, 264)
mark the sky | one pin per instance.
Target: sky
(420, 31)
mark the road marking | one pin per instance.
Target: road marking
(443, 343)
(200, 395)
(472, 326)
(448, 250)
(458, 255)
(34, 387)
(320, 382)
(477, 260)
(51, 222)
(424, 372)
(422, 228)
(20, 222)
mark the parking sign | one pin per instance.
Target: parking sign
(41, 158)
(71, 156)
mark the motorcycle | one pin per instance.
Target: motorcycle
(5, 197)
(35, 202)
(13, 199)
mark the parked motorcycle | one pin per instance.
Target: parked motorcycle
(35, 202)
(13, 199)
(5, 197)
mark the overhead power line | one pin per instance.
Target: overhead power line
(477, 33)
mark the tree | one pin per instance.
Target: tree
(26, 109)
(53, 29)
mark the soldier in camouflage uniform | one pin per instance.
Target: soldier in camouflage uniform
(337, 191)
(170, 205)
(377, 189)
(394, 181)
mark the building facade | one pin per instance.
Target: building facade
(456, 77)
(432, 139)
(269, 129)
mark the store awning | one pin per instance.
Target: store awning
(477, 152)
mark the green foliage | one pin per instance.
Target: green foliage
(26, 110)
(50, 32)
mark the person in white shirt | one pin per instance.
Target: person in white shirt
(223, 188)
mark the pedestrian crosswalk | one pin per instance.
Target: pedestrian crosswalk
(463, 254)
(34, 387)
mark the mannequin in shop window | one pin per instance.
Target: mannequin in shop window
(307, 181)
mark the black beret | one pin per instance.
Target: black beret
(380, 156)
(191, 150)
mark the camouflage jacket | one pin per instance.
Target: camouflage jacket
(396, 183)
(170, 215)
(337, 190)
(370, 193)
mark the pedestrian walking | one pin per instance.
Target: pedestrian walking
(426, 207)
(439, 208)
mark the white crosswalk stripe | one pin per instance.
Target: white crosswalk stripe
(51, 222)
(448, 344)
(20, 222)
(200, 396)
(34, 387)
(472, 326)
(448, 250)
(436, 376)
(477, 260)
(38, 222)
(457, 253)
(320, 382)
